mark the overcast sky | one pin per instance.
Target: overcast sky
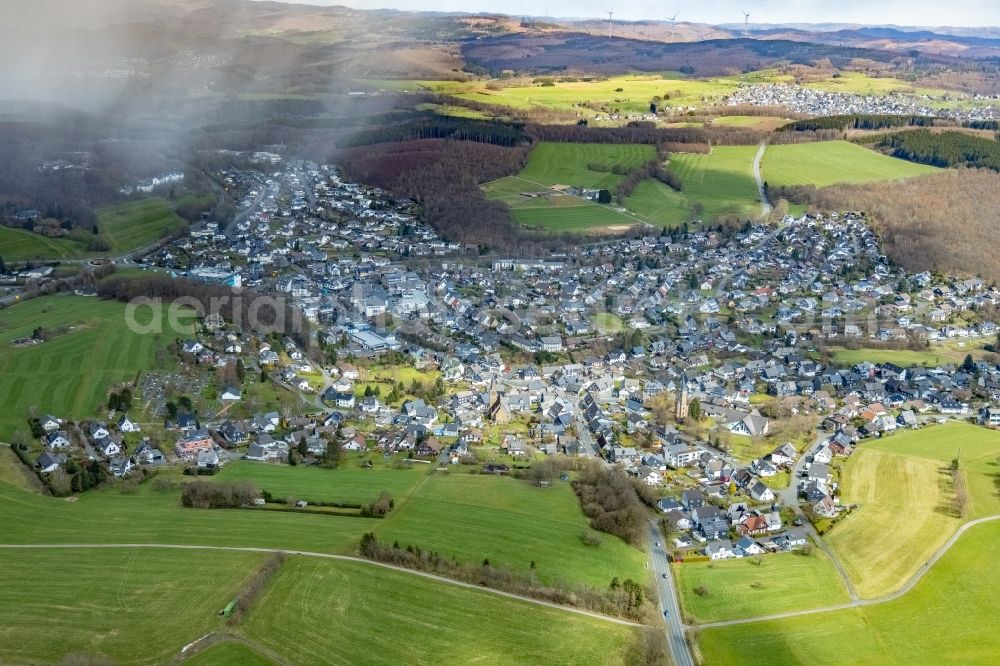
(878, 12)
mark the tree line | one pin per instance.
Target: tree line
(627, 598)
(220, 495)
(432, 126)
(645, 133)
(651, 169)
(857, 121)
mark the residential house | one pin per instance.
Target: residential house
(719, 550)
(50, 462)
(125, 424)
(57, 440)
(752, 425)
(188, 447)
(50, 423)
(747, 547)
(120, 466)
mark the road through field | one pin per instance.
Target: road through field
(330, 556)
(765, 207)
(680, 651)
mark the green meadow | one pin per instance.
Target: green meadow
(720, 182)
(20, 244)
(324, 612)
(749, 587)
(833, 162)
(475, 517)
(948, 618)
(135, 224)
(907, 474)
(127, 605)
(349, 484)
(91, 349)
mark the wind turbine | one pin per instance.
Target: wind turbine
(746, 24)
(672, 18)
(610, 14)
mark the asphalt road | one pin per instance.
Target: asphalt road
(790, 497)
(680, 651)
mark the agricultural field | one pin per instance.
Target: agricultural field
(352, 613)
(135, 224)
(943, 619)
(567, 164)
(628, 94)
(936, 354)
(20, 244)
(716, 184)
(881, 552)
(473, 517)
(452, 110)
(154, 515)
(659, 204)
(125, 227)
(978, 449)
(758, 586)
(767, 123)
(228, 653)
(129, 605)
(833, 162)
(468, 516)
(349, 484)
(91, 349)
(586, 217)
(861, 84)
(721, 182)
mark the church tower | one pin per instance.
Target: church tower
(683, 400)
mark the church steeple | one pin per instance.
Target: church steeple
(683, 400)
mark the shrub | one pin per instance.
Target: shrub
(380, 507)
(207, 495)
(608, 498)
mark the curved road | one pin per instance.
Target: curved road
(765, 207)
(330, 556)
(790, 498)
(865, 602)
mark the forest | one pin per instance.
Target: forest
(941, 222)
(857, 121)
(444, 176)
(943, 149)
(432, 126)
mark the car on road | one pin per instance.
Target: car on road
(666, 613)
(798, 522)
(664, 574)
